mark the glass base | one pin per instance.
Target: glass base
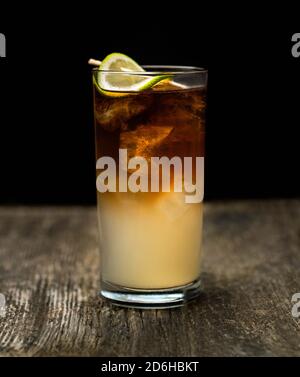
(148, 298)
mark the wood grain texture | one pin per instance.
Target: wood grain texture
(49, 274)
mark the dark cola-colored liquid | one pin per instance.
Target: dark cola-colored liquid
(152, 123)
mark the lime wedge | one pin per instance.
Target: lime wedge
(134, 81)
(106, 92)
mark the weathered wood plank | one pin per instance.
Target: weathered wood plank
(49, 273)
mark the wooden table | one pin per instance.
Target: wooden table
(49, 274)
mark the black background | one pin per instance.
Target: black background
(46, 122)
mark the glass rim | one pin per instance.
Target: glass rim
(158, 70)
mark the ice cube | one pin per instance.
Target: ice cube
(144, 139)
(112, 113)
(179, 108)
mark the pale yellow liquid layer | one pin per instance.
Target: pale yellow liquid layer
(148, 241)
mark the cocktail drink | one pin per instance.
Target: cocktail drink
(149, 152)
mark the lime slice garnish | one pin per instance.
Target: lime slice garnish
(109, 83)
(106, 92)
